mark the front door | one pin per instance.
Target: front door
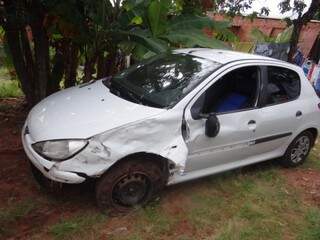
(233, 98)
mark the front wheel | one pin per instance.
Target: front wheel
(128, 185)
(298, 150)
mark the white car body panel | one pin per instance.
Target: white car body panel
(82, 112)
(117, 128)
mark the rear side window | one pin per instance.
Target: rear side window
(283, 85)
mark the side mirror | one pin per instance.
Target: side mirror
(212, 126)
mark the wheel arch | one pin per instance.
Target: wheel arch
(314, 133)
(165, 164)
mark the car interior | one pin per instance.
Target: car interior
(283, 85)
(235, 91)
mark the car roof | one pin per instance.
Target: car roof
(224, 56)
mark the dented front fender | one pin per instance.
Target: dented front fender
(160, 135)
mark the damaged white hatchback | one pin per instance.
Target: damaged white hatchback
(173, 118)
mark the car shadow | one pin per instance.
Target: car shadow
(264, 166)
(84, 193)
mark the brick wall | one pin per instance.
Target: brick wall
(270, 26)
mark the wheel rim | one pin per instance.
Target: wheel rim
(131, 189)
(300, 150)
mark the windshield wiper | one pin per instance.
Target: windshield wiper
(123, 92)
(133, 97)
(149, 103)
(120, 91)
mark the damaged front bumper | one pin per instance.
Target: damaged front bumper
(48, 168)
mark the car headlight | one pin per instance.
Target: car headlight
(59, 150)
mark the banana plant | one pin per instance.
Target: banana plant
(158, 26)
(141, 28)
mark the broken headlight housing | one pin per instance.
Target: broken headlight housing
(59, 150)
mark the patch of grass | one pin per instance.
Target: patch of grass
(75, 226)
(158, 222)
(255, 205)
(10, 88)
(312, 229)
(130, 237)
(313, 160)
(251, 212)
(238, 229)
(5, 107)
(14, 213)
(4, 74)
(17, 211)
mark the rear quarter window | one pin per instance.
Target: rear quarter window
(283, 85)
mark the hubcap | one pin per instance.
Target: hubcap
(300, 150)
(131, 190)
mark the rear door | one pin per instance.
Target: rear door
(280, 112)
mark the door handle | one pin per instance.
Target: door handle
(299, 114)
(252, 125)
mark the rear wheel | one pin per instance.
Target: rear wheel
(128, 185)
(298, 150)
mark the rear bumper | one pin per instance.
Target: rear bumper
(48, 168)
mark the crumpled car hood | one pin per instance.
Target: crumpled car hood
(82, 112)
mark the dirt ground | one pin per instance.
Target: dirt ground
(308, 180)
(28, 211)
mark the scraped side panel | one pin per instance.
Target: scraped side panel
(161, 136)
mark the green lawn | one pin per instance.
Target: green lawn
(8, 88)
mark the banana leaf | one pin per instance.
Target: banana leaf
(198, 22)
(193, 38)
(285, 36)
(144, 38)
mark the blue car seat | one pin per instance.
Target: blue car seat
(232, 102)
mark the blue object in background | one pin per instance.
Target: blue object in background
(232, 102)
(317, 84)
(298, 58)
(306, 67)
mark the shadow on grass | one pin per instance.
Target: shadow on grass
(85, 192)
(266, 168)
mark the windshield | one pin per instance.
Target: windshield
(163, 80)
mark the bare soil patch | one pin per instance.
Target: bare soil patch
(308, 180)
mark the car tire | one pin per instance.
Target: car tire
(128, 185)
(298, 150)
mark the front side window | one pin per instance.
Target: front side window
(283, 85)
(235, 91)
(162, 81)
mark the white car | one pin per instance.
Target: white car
(175, 117)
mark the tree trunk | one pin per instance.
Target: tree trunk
(13, 38)
(42, 60)
(16, 38)
(29, 62)
(102, 67)
(297, 27)
(71, 65)
(111, 63)
(89, 68)
(32, 64)
(57, 71)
